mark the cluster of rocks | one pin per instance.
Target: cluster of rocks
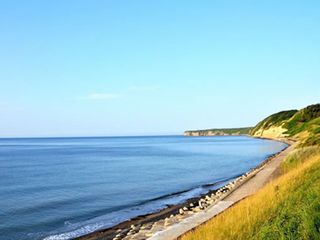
(144, 231)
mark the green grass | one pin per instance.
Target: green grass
(297, 215)
(286, 208)
(274, 120)
(312, 140)
(305, 121)
(296, 126)
(298, 157)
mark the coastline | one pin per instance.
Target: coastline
(175, 220)
(264, 174)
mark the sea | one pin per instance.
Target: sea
(61, 188)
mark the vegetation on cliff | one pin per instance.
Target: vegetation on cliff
(276, 119)
(218, 131)
(287, 207)
(303, 125)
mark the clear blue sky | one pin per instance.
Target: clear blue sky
(86, 68)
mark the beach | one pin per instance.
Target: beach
(174, 221)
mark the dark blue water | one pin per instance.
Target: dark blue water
(59, 188)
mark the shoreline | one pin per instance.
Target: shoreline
(267, 172)
(153, 224)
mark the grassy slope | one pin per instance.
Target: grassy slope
(274, 120)
(303, 125)
(305, 121)
(288, 207)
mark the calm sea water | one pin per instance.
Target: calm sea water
(59, 188)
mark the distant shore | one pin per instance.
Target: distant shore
(159, 223)
(218, 132)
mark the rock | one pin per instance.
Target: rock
(185, 209)
(167, 222)
(200, 205)
(142, 227)
(147, 226)
(191, 205)
(210, 202)
(181, 211)
(149, 234)
(121, 234)
(160, 222)
(196, 209)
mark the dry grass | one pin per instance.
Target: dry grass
(287, 208)
(299, 156)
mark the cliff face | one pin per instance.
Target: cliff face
(272, 126)
(301, 125)
(202, 133)
(218, 132)
(271, 132)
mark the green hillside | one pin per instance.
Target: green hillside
(288, 207)
(274, 120)
(303, 125)
(307, 121)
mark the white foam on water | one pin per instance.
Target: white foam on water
(76, 233)
(73, 230)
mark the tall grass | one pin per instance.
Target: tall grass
(299, 156)
(287, 208)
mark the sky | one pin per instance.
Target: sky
(106, 68)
